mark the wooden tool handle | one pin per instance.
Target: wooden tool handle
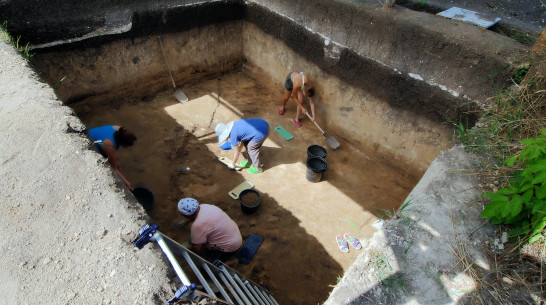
(166, 62)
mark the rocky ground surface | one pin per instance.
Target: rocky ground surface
(67, 235)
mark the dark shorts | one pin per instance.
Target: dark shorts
(288, 85)
(212, 255)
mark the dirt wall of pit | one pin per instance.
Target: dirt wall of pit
(134, 68)
(395, 80)
(358, 44)
(461, 58)
(400, 137)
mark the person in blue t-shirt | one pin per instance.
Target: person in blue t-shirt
(250, 133)
(107, 139)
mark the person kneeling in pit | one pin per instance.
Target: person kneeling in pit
(214, 235)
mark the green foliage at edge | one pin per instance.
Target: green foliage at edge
(522, 204)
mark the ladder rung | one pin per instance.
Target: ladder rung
(230, 288)
(256, 294)
(252, 298)
(235, 284)
(198, 274)
(216, 282)
(269, 299)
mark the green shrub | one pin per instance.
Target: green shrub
(520, 74)
(522, 203)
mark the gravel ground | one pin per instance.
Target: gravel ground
(66, 235)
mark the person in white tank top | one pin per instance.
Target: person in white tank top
(298, 86)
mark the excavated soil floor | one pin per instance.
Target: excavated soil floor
(176, 156)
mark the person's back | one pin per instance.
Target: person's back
(214, 228)
(108, 139)
(99, 134)
(249, 130)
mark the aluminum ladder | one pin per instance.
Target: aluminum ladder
(230, 286)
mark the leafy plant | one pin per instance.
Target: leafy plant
(520, 74)
(422, 3)
(400, 213)
(522, 203)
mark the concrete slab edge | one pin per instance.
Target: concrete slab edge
(415, 258)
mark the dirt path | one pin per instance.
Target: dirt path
(298, 219)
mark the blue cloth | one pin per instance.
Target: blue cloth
(226, 146)
(99, 134)
(250, 248)
(244, 130)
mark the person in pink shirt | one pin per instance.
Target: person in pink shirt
(213, 233)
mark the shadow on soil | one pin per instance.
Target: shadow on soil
(284, 261)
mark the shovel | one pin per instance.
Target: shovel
(332, 142)
(180, 96)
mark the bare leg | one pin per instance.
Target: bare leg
(285, 98)
(297, 119)
(298, 110)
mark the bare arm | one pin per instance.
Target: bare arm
(298, 99)
(112, 154)
(236, 152)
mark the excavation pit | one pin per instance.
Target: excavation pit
(236, 69)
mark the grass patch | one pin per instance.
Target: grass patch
(512, 115)
(518, 35)
(386, 274)
(402, 213)
(513, 120)
(508, 143)
(16, 42)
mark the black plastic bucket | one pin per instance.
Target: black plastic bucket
(316, 151)
(144, 196)
(316, 166)
(250, 200)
